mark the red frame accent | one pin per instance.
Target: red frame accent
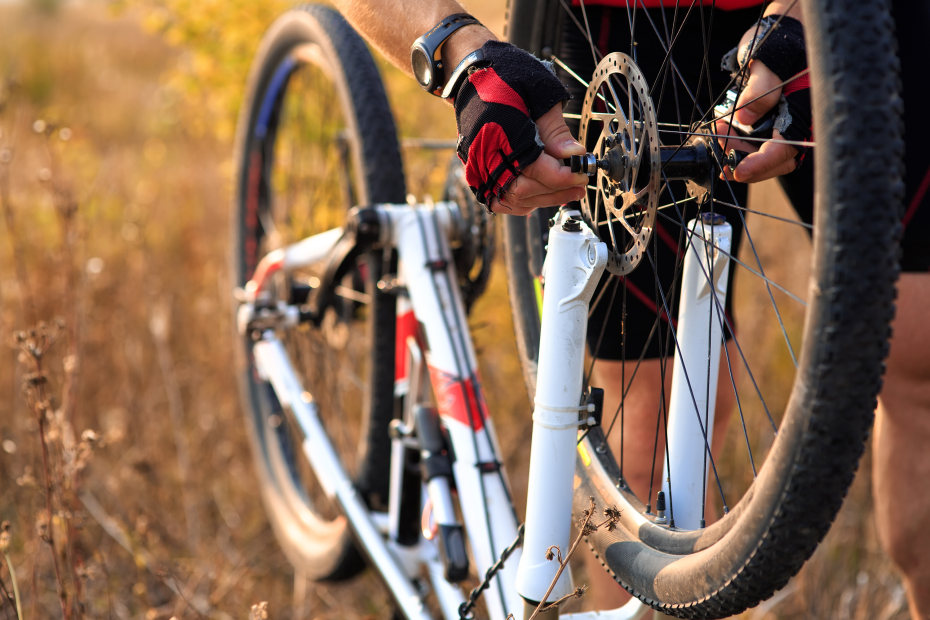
(406, 328)
(458, 399)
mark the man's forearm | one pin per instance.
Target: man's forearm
(393, 25)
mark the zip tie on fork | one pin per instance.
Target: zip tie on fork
(466, 607)
(589, 411)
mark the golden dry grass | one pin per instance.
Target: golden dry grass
(115, 194)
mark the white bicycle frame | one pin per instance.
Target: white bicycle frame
(430, 310)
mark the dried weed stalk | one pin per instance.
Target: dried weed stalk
(50, 383)
(585, 528)
(63, 459)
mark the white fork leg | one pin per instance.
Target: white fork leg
(573, 265)
(697, 364)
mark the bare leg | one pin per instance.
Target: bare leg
(901, 447)
(641, 405)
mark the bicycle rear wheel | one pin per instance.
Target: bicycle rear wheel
(316, 136)
(802, 371)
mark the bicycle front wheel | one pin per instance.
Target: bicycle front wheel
(802, 365)
(316, 137)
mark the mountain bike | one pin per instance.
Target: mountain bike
(372, 437)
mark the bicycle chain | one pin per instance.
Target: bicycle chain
(476, 592)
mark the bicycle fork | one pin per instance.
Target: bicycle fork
(574, 263)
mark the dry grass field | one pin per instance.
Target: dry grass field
(126, 488)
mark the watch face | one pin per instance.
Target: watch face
(422, 66)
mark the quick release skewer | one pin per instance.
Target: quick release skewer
(691, 162)
(587, 163)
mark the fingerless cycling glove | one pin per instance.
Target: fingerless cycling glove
(495, 109)
(777, 41)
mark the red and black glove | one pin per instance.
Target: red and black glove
(777, 41)
(495, 109)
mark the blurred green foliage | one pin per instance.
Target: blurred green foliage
(217, 40)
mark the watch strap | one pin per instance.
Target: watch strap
(433, 40)
(436, 35)
(461, 72)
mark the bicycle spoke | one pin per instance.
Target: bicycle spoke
(777, 218)
(753, 271)
(587, 31)
(740, 413)
(569, 71)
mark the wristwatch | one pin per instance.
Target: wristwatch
(425, 54)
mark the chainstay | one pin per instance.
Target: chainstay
(466, 607)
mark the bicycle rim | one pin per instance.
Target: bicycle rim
(800, 376)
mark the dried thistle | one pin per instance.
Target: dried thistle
(613, 517)
(554, 552)
(584, 522)
(42, 529)
(90, 440)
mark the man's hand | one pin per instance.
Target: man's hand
(772, 55)
(773, 158)
(512, 135)
(546, 182)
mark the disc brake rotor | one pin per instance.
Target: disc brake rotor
(618, 126)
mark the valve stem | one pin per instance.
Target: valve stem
(661, 516)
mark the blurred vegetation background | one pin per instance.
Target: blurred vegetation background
(127, 489)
